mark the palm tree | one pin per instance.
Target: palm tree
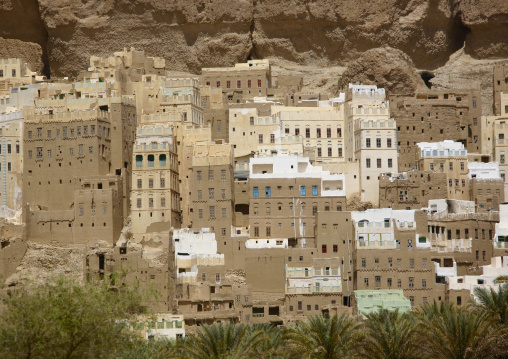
(502, 279)
(274, 344)
(322, 337)
(495, 302)
(391, 335)
(460, 333)
(221, 341)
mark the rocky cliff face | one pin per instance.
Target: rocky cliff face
(192, 34)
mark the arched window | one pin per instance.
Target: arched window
(162, 160)
(139, 160)
(151, 160)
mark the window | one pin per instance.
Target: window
(200, 194)
(335, 248)
(259, 83)
(218, 83)
(198, 175)
(390, 163)
(319, 151)
(211, 211)
(224, 213)
(249, 83)
(223, 231)
(210, 175)
(211, 193)
(255, 191)
(314, 190)
(64, 131)
(424, 283)
(29, 134)
(389, 142)
(260, 136)
(328, 132)
(151, 161)
(272, 138)
(297, 131)
(459, 300)
(268, 191)
(228, 84)
(307, 133)
(39, 152)
(302, 190)
(39, 132)
(389, 282)
(450, 165)
(163, 202)
(411, 282)
(340, 151)
(150, 202)
(162, 160)
(367, 162)
(378, 162)
(223, 193)
(1, 73)
(364, 263)
(323, 248)
(501, 158)
(92, 130)
(256, 231)
(162, 182)
(318, 133)
(412, 263)
(90, 150)
(424, 263)
(217, 278)
(268, 231)
(366, 281)
(150, 183)
(378, 280)
(367, 142)
(238, 84)
(138, 203)
(378, 143)
(200, 213)
(329, 152)
(13, 72)
(30, 154)
(399, 283)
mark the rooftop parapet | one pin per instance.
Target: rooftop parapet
(445, 148)
(68, 116)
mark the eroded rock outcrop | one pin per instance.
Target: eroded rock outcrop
(385, 67)
(198, 33)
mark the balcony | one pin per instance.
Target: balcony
(314, 289)
(311, 272)
(376, 244)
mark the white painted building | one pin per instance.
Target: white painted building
(295, 167)
(194, 248)
(374, 228)
(480, 170)
(371, 137)
(501, 236)
(311, 280)
(498, 267)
